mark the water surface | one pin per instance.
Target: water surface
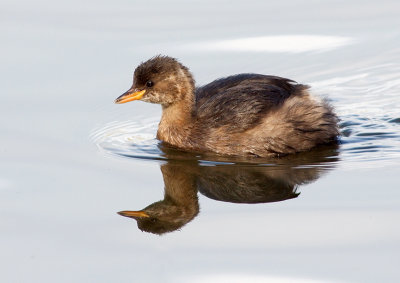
(71, 159)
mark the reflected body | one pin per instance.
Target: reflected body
(240, 115)
(237, 183)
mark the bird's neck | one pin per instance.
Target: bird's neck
(176, 121)
(180, 188)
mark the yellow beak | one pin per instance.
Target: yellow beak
(130, 95)
(133, 214)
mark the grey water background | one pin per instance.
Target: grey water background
(63, 64)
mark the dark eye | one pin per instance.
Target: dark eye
(149, 84)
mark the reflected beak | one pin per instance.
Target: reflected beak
(133, 214)
(130, 95)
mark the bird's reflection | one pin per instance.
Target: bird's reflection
(237, 182)
(179, 206)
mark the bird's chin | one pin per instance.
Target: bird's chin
(151, 98)
(154, 101)
(147, 99)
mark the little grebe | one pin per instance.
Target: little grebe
(244, 114)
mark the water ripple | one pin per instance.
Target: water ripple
(366, 100)
(137, 139)
(368, 104)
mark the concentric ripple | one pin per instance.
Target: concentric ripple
(129, 138)
(135, 139)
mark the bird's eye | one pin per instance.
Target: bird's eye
(149, 83)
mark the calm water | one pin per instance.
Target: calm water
(71, 159)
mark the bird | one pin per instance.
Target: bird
(249, 114)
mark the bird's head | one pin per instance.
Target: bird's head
(162, 80)
(160, 217)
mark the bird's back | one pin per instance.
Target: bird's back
(260, 115)
(239, 102)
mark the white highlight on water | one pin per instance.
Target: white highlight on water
(275, 43)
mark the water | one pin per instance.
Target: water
(71, 159)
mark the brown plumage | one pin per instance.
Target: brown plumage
(245, 114)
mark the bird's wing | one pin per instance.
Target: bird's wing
(239, 102)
